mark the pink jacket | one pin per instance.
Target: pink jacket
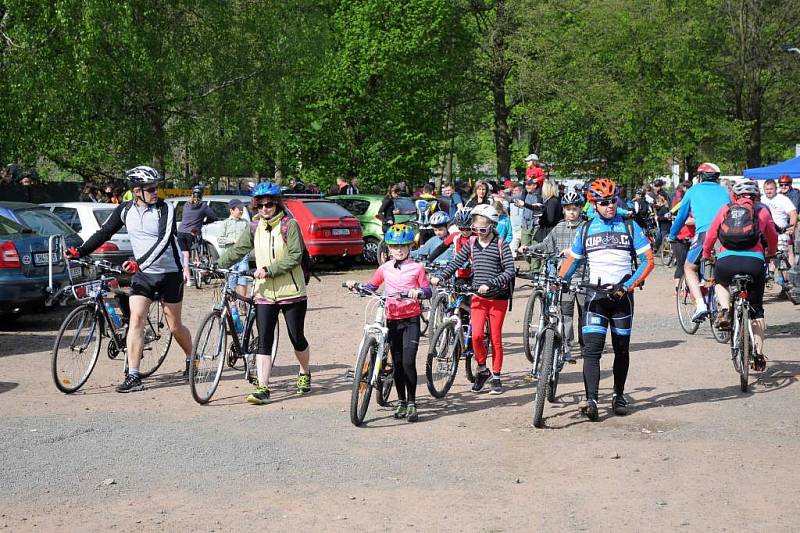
(410, 275)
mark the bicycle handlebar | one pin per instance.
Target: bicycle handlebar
(101, 264)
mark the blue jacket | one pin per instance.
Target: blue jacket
(703, 201)
(504, 228)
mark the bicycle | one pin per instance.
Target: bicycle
(533, 319)
(438, 304)
(210, 351)
(742, 338)
(199, 256)
(371, 370)
(782, 266)
(686, 304)
(452, 341)
(666, 254)
(77, 345)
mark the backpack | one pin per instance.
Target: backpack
(305, 259)
(739, 229)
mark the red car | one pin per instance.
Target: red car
(329, 230)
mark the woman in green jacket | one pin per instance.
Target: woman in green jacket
(277, 244)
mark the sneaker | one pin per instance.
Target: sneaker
(723, 320)
(260, 396)
(303, 383)
(760, 362)
(131, 384)
(497, 387)
(480, 380)
(411, 413)
(401, 411)
(568, 356)
(699, 314)
(590, 410)
(619, 404)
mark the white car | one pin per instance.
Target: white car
(219, 205)
(86, 218)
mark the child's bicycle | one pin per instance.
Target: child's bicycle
(371, 370)
(452, 341)
(77, 345)
(533, 320)
(686, 304)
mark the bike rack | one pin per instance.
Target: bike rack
(54, 241)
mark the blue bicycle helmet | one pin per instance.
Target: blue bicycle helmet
(439, 218)
(463, 218)
(266, 188)
(399, 234)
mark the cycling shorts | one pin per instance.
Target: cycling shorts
(731, 265)
(695, 254)
(169, 286)
(185, 241)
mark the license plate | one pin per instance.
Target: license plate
(75, 272)
(41, 259)
(336, 232)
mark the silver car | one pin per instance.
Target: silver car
(86, 218)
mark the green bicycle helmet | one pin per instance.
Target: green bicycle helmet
(399, 234)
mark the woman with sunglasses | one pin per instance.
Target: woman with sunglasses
(493, 274)
(276, 242)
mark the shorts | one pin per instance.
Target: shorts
(731, 265)
(242, 267)
(168, 285)
(695, 254)
(185, 241)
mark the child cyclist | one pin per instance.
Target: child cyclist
(493, 273)
(400, 274)
(463, 221)
(439, 221)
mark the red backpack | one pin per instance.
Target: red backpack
(739, 229)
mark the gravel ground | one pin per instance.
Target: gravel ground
(694, 454)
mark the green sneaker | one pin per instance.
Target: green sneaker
(401, 410)
(411, 413)
(260, 396)
(303, 383)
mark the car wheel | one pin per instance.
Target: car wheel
(370, 253)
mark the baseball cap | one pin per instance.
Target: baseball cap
(532, 157)
(233, 204)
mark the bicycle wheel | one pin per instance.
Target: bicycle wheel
(685, 304)
(424, 318)
(444, 354)
(362, 389)
(157, 340)
(543, 382)
(76, 348)
(385, 384)
(719, 335)
(666, 254)
(744, 350)
(437, 311)
(553, 386)
(532, 323)
(208, 357)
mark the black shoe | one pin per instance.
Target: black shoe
(497, 387)
(590, 410)
(759, 363)
(480, 380)
(185, 372)
(619, 404)
(131, 384)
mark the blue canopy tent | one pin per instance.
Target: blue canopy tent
(786, 168)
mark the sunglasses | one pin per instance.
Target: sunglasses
(267, 205)
(151, 190)
(606, 203)
(786, 185)
(481, 230)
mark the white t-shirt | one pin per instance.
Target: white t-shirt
(779, 206)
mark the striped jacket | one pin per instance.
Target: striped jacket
(492, 266)
(561, 238)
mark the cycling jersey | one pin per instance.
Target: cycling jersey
(704, 201)
(608, 252)
(779, 206)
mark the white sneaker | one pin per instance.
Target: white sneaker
(700, 314)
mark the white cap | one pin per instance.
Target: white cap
(531, 157)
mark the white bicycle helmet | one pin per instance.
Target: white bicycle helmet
(439, 218)
(142, 175)
(487, 211)
(745, 187)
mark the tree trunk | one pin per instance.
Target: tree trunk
(500, 70)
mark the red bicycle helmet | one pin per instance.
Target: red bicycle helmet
(602, 189)
(708, 172)
(785, 180)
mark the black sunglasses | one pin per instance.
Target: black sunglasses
(268, 205)
(606, 203)
(150, 189)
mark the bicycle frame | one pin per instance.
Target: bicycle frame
(380, 331)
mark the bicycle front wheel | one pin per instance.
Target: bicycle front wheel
(442, 363)
(532, 323)
(685, 304)
(157, 340)
(208, 357)
(545, 369)
(745, 349)
(362, 388)
(437, 311)
(76, 348)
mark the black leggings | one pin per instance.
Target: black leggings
(599, 312)
(403, 342)
(679, 249)
(294, 314)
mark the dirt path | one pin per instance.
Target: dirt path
(695, 454)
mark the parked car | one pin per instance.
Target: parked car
(365, 208)
(85, 218)
(329, 231)
(24, 270)
(40, 220)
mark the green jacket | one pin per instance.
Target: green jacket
(280, 260)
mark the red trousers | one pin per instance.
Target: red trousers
(483, 309)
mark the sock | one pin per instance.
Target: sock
(133, 372)
(495, 376)
(481, 368)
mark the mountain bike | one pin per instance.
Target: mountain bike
(533, 320)
(742, 339)
(211, 352)
(77, 345)
(782, 266)
(452, 341)
(686, 304)
(437, 307)
(372, 365)
(666, 254)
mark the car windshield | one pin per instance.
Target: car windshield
(9, 227)
(405, 205)
(101, 215)
(43, 222)
(326, 210)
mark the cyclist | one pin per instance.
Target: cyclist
(439, 221)
(493, 273)
(402, 275)
(276, 242)
(703, 201)
(743, 260)
(463, 221)
(783, 212)
(156, 266)
(559, 241)
(196, 213)
(609, 244)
